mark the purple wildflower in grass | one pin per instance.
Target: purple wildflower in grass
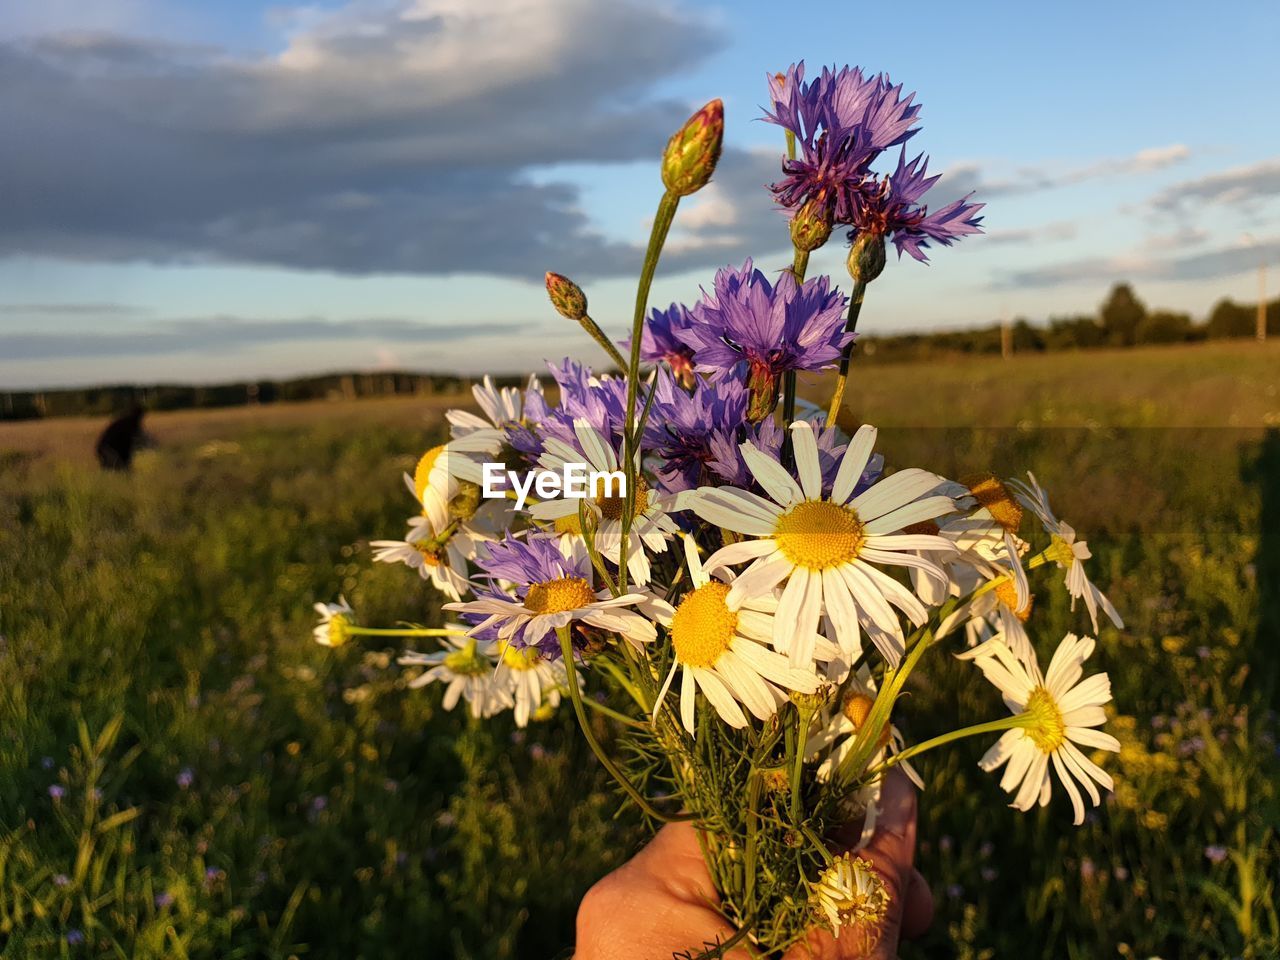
(890, 208)
(164, 899)
(46, 763)
(663, 341)
(57, 791)
(1215, 853)
(61, 880)
(842, 121)
(750, 328)
(74, 937)
(185, 778)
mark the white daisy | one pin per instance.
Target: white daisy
(650, 525)
(447, 480)
(1058, 711)
(440, 558)
(723, 651)
(502, 406)
(467, 668)
(1067, 552)
(335, 618)
(997, 615)
(534, 681)
(826, 548)
(549, 604)
(988, 532)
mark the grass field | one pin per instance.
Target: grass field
(184, 772)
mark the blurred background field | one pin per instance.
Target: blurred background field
(185, 773)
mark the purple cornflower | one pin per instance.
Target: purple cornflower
(750, 327)
(890, 208)
(685, 429)
(57, 791)
(663, 340)
(74, 937)
(185, 778)
(601, 401)
(841, 122)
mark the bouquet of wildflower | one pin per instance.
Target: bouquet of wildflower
(740, 586)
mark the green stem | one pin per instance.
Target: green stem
(599, 337)
(571, 681)
(850, 326)
(991, 726)
(662, 221)
(616, 715)
(797, 763)
(395, 632)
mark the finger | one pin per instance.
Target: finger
(917, 910)
(893, 845)
(672, 861)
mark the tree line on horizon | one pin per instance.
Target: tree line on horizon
(1122, 320)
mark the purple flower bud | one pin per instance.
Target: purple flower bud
(693, 151)
(566, 296)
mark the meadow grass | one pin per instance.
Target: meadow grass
(185, 773)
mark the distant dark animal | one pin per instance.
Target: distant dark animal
(121, 439)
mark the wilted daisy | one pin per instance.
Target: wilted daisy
(335, 618)
(438, 557)
(650, 526)
(825, 547)
(997, 614)
(986, 534)
(550, 588)
(467, 669)
(723, 651)
(850, 893)
(1067, 552)
(1058, 711)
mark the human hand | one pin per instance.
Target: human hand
(662, 901)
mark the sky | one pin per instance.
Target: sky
(211, 191)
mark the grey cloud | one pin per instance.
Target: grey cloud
(70, 309)
(1243, 187)
(1022, 236)
(1207, 265)
(227, 334)
(970, 177)
(383, 139)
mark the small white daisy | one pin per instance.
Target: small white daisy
(826, 548)
(650, 525)
(502, 406)
(1058, 711)
(534, 681)
(467, 669)
(1067, 552)
(442, 559)
(447, 480)
(724, 651)
(988, 532)
(335, 618)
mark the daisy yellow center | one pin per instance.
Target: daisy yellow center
(338, 629)
(819, 534)
(520, 659)
(422, 472)
(569, 524)
(1045, 725)
(995, 496)
(1060, 552)
(467, 662)
(1007, 594)
(430, 551)
(556, 596)
(856, 709)
(611, 507)
(703, 626)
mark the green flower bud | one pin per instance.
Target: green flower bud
(693, 151)
(866, 257)
(763, 386)
(566, 296)
(811, 226)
